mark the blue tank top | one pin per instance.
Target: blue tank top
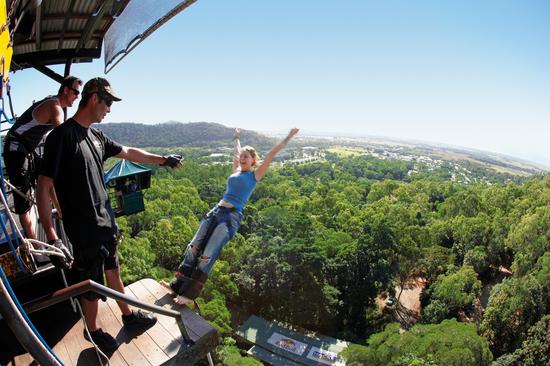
(239, 189)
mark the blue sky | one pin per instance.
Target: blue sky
(469, 73)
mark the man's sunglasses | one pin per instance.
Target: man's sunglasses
(75, 91)
(108, 101)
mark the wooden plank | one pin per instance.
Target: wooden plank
(146, 342)
(195, 325)
(164, 299)
(61, 352)
(109, 318)
(78, 348)
(159, 333)
(24, 359)
(72, 344)
(203, 334)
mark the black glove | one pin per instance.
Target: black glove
(172, 160)
(61, 262)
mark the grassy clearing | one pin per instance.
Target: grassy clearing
(347, 151)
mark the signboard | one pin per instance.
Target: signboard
(325, 357)
(286, 343)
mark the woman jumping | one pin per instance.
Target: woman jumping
(223, 221)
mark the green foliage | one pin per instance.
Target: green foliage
(456, 291)
(435, 312)
(477, 258)
(530, 239)
(279, 280)
(220, 281)
(514, 305)
(535, 350)
(413, 360)
(229, 355)
(435, 260)
(136, 260)
(168, 239)
(319, 242)
(506, 360)
(447, 343)
(216, 312)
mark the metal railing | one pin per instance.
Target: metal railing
(31, 340)
(91, 286)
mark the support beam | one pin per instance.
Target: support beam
(49, 72)
(67, 72)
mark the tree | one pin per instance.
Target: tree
(457, 290)
(435, 312)
(535, 350)
(477, 258)
(447, 343)
(286, 281)
(216, 312)
(169, 239)
(411, 359)
(530, 239)
(230, 355)
(514, 305)
(136, 259)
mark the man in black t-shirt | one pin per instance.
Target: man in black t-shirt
(73, 165)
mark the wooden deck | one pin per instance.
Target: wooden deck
(161, 344)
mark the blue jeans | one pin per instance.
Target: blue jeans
(218, 227)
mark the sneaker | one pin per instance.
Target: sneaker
(140, 319)
(105, 341)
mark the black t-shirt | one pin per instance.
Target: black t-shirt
(73, 158)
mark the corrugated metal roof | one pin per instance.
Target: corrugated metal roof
(60, 30)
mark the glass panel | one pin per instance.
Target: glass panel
(139, 19)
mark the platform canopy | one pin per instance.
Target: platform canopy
(49, 32)
(124, 168)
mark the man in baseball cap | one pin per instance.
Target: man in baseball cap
(102, 87)
(74, 154)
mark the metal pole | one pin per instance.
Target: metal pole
(68, 64)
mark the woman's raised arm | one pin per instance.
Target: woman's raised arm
(262, 169)
(237, 149)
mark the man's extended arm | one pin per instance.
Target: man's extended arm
(142, 156)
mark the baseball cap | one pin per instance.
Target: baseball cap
(100, 86)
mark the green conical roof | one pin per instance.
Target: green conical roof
(124, 168)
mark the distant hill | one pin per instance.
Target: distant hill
(173, 134)
(405, 150)
(215, 135)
